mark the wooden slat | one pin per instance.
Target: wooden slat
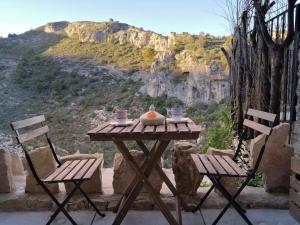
(207, 164)
(171, 127)
(182, 127)
(66, 171)
(198, 164)
(106, 129)
(216, 165)
(258, 127)
(27, 122)
(225, 166)
(57, 171)
(117, 130)
(130, 128)
(295, 197)
(139, 128)
(294, 183)
(84, 169)
(32, 134)
(161, 128)
(98, 128)
(295, 165)
(92, 169)
(262, 115)
(149, 129)
(234, 166)
(76, 169)
(194, 128)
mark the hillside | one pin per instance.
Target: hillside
(77, 73)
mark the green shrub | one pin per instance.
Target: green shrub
(219, 134)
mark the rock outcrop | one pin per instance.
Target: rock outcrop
(191, 89)
(276, 161)
(55, 27)
(186, 175)
(123, 173)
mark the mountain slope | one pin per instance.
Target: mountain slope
(78, 73)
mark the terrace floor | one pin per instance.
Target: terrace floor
(257, 216)
(264, 208)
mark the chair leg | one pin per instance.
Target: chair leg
(92, 204)
(203, 199)
(59, 205)
(231, 200)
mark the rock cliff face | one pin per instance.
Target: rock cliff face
(192, 89)
(197, 83)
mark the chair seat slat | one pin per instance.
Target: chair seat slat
(75, 170)
(84, 169)
(32, 134)
(67, 170)
(92, 169)
(57, 171)
(225, 165)
(235, 166)
(216, 165)
(258, 127)
(198, 164)
(207, 164)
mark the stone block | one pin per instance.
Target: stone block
(185, 172)
(123, 173)
(6, 173)
(94, 185)
(44, 164)
(276, 161)
(230, 183)
(16, 164)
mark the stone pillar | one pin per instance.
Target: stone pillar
(123, 173)
(94, 185)
(17, 165)
(276, 161)
(230, 183)
(44, 164)
(186, 175)
(6, 174)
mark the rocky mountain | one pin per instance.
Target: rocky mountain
(77, 73)
(201, 69)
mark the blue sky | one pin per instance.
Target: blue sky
(162, 16)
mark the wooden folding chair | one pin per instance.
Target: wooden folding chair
(75, 171)
(215, 167)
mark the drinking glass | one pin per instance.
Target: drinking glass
(121, 116)
(176, 113)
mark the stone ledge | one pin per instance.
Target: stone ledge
(250, 198)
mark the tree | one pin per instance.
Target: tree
(276, 49)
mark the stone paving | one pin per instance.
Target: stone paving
(19, 201)
(257, 216)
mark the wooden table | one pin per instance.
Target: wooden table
(161, 135)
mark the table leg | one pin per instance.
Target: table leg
(143, 179)
(163, 176)
(135, 180)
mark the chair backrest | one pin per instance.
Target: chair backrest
(31, 134)
(255, 120)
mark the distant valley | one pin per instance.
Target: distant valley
(77, 73)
